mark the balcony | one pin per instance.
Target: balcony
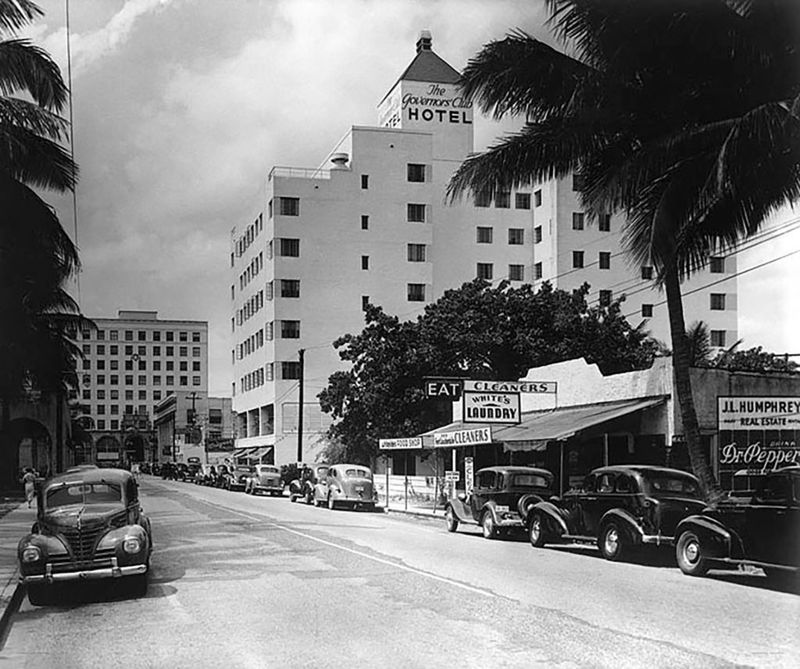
(299, 173)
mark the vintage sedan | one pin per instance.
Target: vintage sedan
(500, 499)
(236, 477)
(264, 479)
(620, 508)
(347, 486)
(303, 487)
(762, 530)
(89, 526)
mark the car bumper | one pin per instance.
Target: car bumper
(267, 488)
(113, 571)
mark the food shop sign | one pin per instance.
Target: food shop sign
(407, 443)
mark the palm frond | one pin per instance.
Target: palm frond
(25, 114)
(25, 66)
(35, 160)
(15, 14)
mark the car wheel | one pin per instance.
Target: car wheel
(488, 526)
(292, 498)
(536, 530)
(611, 542)
(689, 554)
(450, 518)
(38, 594)
(331, 502)
(309, 498)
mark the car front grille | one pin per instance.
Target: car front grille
(82, 542)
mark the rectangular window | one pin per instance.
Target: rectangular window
(128, 335)
(484, 235)
(101, 335)
(647, 311)
(170, 335)
(128, 349)
(114, 335)
(183, 366)
(537, 198)
(503, 200)
(717, 301)
(717, 338)
(170, 380)
(604, 260)
(115, 424)
(115, 394)
(577, 259)
(101, 379)
(364, 222)
(604, 223)
(416, 173)
(416, 292)
(416, 213)
(522, 201)
(128, 396)
(290, 287)
(364, 181)
(269, 371)
(270, 290)
(156, 350)
(537, 271)
(195, 380)
(183, 351)
(195, 337)
(156, 395)
(156, 335)
(290, 370)
(170, 365)
(142, 395)
(364, 302)
(101, 424)
(196, 364)
(516, 236)
(195, 351)
(537, 234)
(485, 270)
(170, 350)
(516, 272)
(129, 379)
(290, 248)
(647, 272)
(482, 199)
(577, 182)
(716, 265)
(289, 206)
(605, 298)
(364, 262)
(269, 331)
(114, 380)
(141, 335)
(156, 365)
(577, 220)
(113, 349)
(141, 350)
(290, 329)
(416, 252)
(183, 381)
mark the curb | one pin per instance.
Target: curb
(12, 605)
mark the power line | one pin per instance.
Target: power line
(72, 147)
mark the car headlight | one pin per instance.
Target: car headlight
(31, 554)
(132, 544)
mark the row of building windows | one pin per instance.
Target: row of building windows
(579, 219)
(141, 365)
(141, 380)
(140, 335)
(485, 270)
(485, 235)
(251, 307)
(252, 270)
(248, 237)
(100, 423)
(113, 394)
(140, 351)
(502, 200)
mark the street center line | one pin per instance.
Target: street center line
(413, 570)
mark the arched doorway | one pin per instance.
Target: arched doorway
(135, 447)
(108, 451)
(28, 445)
(81, 440)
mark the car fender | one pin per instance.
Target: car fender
(627, 521)
(461, 511)
(717, 540)
(526, 502)
(554, 517)
(48, 544)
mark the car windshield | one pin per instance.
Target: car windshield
(269, 470)
(83, 493)
(529, 481)
(671, 484)
(357, 472)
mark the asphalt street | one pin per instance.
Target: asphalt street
(239, 581)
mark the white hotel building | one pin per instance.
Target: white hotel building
(371, 224)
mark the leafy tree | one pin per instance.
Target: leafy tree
(753, 360)
(681, 114)
(477, 331)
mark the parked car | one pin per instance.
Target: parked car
(89, 526)
(620, 508)
(236, 477)
(265, 478)
(500, 499)
(205, 475)
(346, 485)
(762, 529)
(303, 487)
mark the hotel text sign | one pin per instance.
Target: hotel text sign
(426, 103)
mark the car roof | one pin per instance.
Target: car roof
(642, 469)
(515, 469)
(92, 475)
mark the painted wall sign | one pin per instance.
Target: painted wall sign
(401, 443)
(443, 388)
(480, 435)
(511, 386)
(486, 407)
(425, 103)
(469, 475)
(742, 413)
(758, 458)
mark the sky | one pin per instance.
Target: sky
(182, 107)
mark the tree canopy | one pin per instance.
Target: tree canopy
(476, 331)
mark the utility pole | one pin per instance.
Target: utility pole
(301, 353)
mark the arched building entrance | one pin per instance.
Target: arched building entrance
(135, 447)
(27, 444)
(108, 451)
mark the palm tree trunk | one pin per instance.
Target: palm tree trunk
(681, 362)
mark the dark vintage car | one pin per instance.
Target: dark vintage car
(236, 477)
(303, 487)
(347, 486)
(620, 507)
(264, 479)
(762, 529)
(89, 526)
(500, 498)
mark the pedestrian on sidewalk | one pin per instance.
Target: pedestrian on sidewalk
(29, 480)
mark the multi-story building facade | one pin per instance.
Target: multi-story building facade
(372, 224)
(190, 424)
(129, 365)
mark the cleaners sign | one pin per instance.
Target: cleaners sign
(491, 407)
(481, 435)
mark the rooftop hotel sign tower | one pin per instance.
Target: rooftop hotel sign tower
(371, 225)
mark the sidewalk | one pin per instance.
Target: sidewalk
(13, 526)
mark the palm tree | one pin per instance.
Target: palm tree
(36, 254)
(684, 115)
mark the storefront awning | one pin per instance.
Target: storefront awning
(538, 428)
(259, 453)
(243, 452)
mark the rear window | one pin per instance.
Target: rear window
(529, 481)
(83, 493)
(270, 470)
(666, 484)
(357, 472)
